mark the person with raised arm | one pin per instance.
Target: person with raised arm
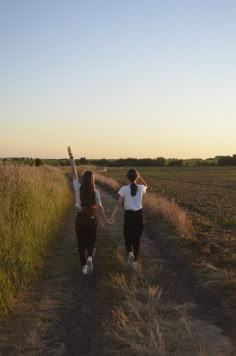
(88, 205)
(130, 196)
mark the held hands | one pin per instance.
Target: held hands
(108, 221)
(103, 223)
(111, 220)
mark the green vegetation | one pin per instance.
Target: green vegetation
(32, 202)
(136, 162)
(227, 161)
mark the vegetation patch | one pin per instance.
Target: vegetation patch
(33, 200)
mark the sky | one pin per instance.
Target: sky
(117, 78)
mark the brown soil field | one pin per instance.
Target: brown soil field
(209, 197)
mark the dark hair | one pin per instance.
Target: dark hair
(132, 176)
(87, 193)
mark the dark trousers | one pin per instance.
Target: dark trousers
(86, 228)
(133, 228)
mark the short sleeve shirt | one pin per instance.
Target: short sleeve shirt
(132, 202)
(76, 185)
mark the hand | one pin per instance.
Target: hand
(69, 151)
(108, 221)
(111, 220)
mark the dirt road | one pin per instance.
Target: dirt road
(60, 314)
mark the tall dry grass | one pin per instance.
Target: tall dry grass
(171, 212)
(107, 181)
(143, 322)
(32, 202)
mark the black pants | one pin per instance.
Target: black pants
(133, 228)
(86, 229)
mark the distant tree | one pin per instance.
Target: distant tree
(160, 161)
(38, 162)
(145, 162)
(176, 163)
(83, 160)
(227, 161)
(101, 162)
(62, 162)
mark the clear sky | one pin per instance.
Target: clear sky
(118, 78)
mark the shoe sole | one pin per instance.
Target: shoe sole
(85, 272)
(130, 260)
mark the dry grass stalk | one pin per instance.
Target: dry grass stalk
(32, 201)
(170, 212)
(112, 183)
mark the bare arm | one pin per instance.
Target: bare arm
(116, 208)
(72, 163)
(142, 181)
(102, 212)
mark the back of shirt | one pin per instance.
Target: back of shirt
(76, 185)
(132, 202)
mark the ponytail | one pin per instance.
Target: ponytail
(132, 176)
(133, 189)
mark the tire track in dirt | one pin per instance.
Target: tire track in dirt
(56, 315)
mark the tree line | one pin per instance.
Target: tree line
(129, 162)
(227, 161)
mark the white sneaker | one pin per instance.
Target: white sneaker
(130, 259)
(85, 269)
(90, 264)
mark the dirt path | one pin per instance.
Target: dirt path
(60, 314)
(57, 316)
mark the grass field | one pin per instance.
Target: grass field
(33, 200)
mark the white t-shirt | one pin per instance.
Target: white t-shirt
(132, 203)
(76, 185)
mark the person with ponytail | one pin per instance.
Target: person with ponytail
(88, 205)
(130, 196)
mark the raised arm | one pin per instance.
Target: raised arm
(142, 181)
(72, 163)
